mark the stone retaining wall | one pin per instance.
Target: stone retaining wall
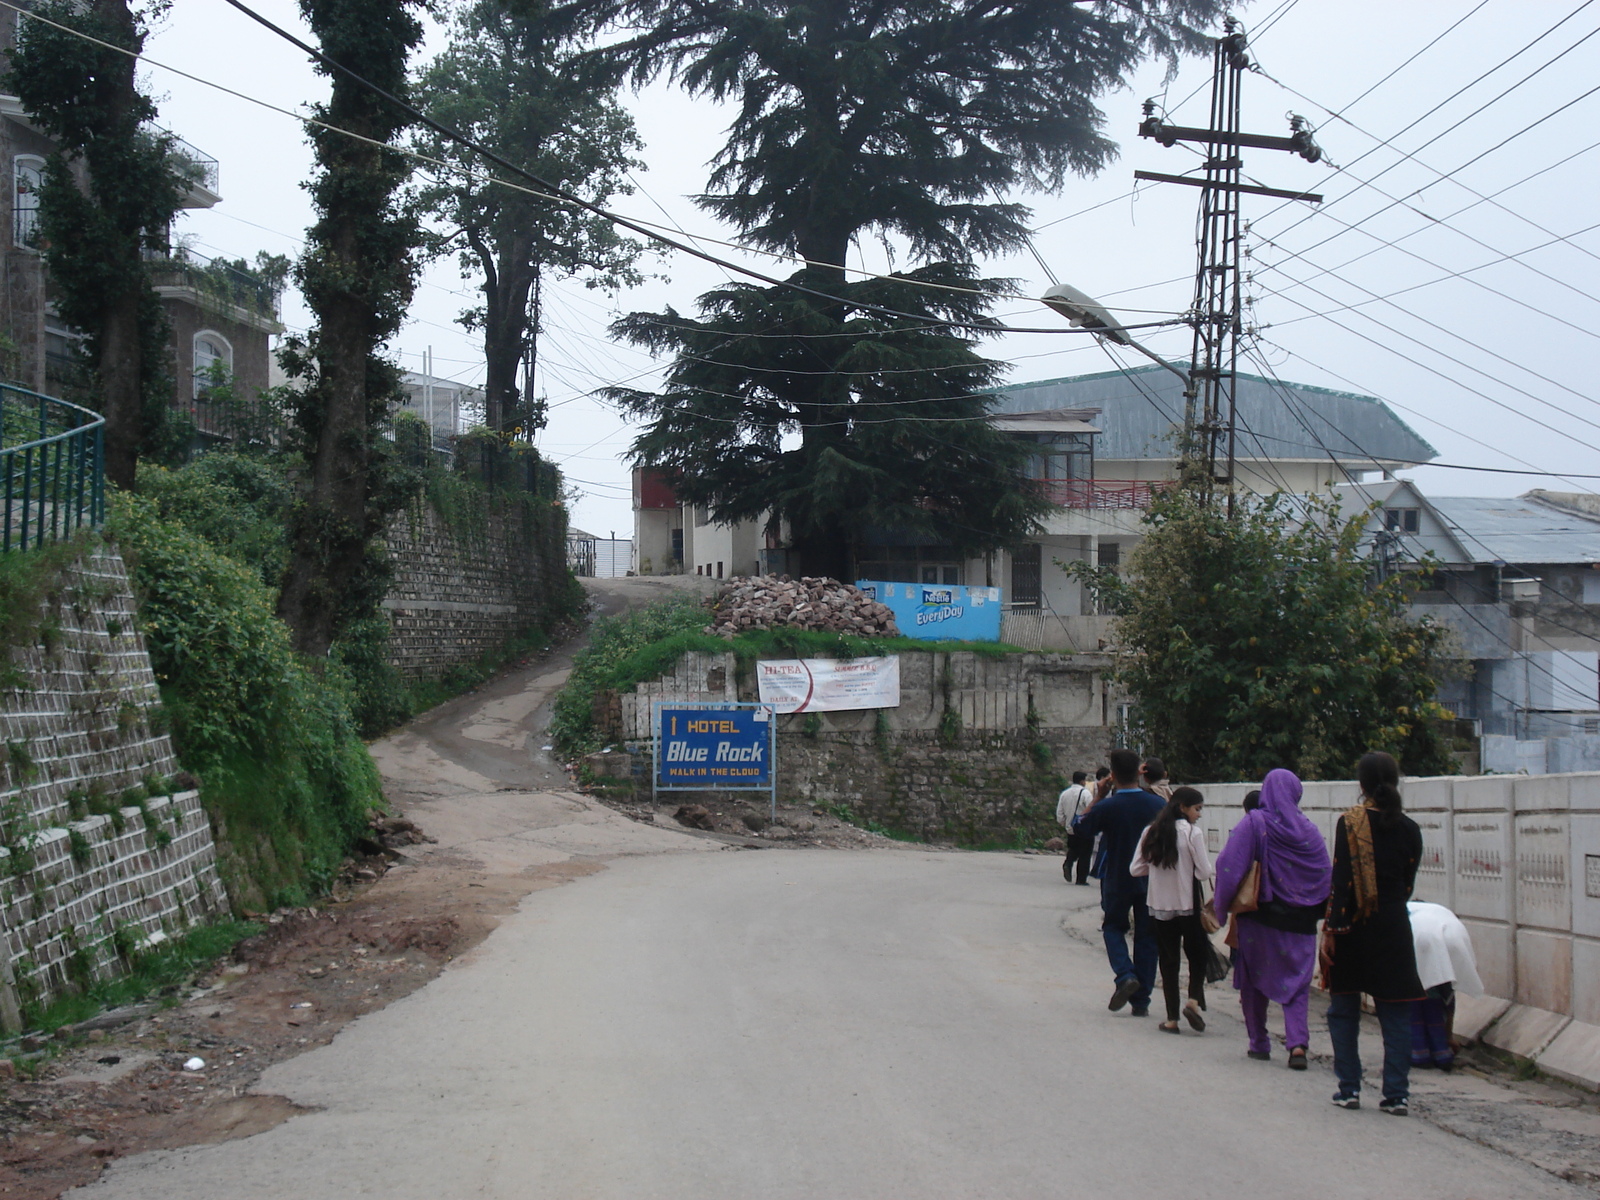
(459, 595)
(81, 730)
(988, 771)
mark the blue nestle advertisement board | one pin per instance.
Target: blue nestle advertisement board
(940, 611)
(725, 748)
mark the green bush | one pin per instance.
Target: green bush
(285, 776)
(239, 503)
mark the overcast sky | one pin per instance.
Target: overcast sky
(1486, 345)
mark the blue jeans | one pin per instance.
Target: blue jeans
(1142, 964)
(1344, 1027)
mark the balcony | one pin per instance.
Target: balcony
(199, 172)
(1101, 493)
(215, 283)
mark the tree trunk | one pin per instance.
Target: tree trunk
(507, 282)
(120, 384)
(117, 342)
(331, 530)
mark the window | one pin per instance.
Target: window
(211, 350)
(1026, 579)
(1402, 520)
(27, 183)
(909, 564)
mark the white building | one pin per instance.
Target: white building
(448, 406)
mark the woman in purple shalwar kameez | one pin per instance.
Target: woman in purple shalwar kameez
(1277, 949)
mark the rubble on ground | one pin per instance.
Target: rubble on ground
(811, 602)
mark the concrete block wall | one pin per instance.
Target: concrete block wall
(80, 729)
(457, 595)
(1516, 857)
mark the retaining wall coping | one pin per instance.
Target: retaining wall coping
(1474, 1014)
(1574, 1055)
(1525, 1031)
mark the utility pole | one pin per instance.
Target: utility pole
(1210, 409)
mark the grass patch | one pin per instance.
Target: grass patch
(849, 816)
(165, 965)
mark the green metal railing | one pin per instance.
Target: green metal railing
(53, 463)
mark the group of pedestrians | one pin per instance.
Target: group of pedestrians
(1290, 910)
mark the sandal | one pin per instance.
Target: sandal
(1191, 1013)
(1169, 1027)
(1297, 1059)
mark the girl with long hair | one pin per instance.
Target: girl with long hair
(1367, 944)
(1172, 853)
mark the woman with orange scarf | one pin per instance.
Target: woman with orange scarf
(1366, 942)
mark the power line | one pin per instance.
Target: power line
(1364, 390)
(552, 193)
(1450, 176)
(1502, 95)
(1459, 362)
(1427, 282)
(1376, 298)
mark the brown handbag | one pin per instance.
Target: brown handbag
(1207, 910)
(1248, 897)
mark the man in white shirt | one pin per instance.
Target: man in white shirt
(1069, 805)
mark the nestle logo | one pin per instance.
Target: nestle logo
(938, 596)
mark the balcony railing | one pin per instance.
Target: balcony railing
(214, 278)
(195, 165)
(1101, 493)
(53, 466)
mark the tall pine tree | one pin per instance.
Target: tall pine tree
(865, 119)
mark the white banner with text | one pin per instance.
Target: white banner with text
(794, 685)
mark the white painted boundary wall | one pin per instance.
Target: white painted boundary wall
(1517, 857)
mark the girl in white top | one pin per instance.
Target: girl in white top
(1172, 853)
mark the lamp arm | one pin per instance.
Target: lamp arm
(1188, 386)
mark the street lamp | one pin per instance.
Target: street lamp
(1085, 312)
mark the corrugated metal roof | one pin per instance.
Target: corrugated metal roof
(1515, 530)
(1141, 408)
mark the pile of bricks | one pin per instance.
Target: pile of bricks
(766, 601)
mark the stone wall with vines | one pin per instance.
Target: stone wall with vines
(100, 852)
(473, 570)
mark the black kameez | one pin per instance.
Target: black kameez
(1377, 955)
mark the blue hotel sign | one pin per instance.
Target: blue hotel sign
(722, 747)
(940, 612)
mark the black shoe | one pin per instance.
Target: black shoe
(1261, 1055)
(1124, 993)
(1297, 1059)
(1395, 1108)
(1139, 1012)
(1349, 1100)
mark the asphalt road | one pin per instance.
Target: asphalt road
(696, 1022)
(820, 1024)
